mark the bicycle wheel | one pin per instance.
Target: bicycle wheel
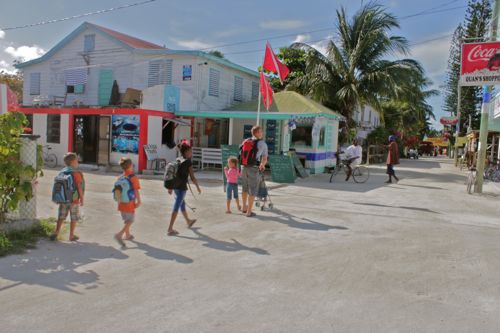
(360, 174)
(51, 161)
(335, 171)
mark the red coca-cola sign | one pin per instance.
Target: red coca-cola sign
(480, 64)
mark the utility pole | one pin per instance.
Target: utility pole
(457, 132)
(483, 132)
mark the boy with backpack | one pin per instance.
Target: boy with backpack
(253, 158)
(68, 192)
(126, 193)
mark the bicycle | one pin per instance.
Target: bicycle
(471, 180)
(360, 173)
(49, 159)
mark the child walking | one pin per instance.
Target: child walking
(232, 174)
(184, 171)
(73, 207)
(127, 209)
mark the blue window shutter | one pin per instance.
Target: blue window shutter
(35, 83)
(160, 72)
(89, 43)
(213, 82)
(238, 89)
(105, 86)
(255, 90)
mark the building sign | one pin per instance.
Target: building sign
(187, 72)
(125, 134)
(480, 64)
(448, 120)
(171, 99)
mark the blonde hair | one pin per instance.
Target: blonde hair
(255, 129)
(69, 158)
(232, 160)
(125, 163)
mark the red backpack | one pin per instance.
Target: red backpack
(248, 152)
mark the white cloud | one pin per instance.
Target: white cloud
(2, 34)
(434, 57)
(193, 44)
(24, 52)
(282, 24)
(6, 67)
(302, 38)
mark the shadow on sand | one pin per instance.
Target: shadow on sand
(397, 207)
(160, 254)
(233, 246)
(298, 222)
(60, 266)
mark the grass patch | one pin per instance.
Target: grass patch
(16, 242)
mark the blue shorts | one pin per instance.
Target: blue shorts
(179, 203)
(232, 191)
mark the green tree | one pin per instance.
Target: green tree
(356, 70)
(15, 178)
(15, 82)
(216, 53)
(295, 60)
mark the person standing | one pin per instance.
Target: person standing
(392, 158)
(253, 156)
(354, 153)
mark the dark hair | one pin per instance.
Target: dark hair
(69, 158)
(183, 148)
(125, 163)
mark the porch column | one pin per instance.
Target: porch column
(71, 129)
(231, 130)
(143, 140)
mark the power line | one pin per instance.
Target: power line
(97, 12)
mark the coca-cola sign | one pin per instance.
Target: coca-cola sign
(480, 64)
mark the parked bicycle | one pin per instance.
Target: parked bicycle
(360, 173)
(49, 159)
(471, 180)
(492, 172)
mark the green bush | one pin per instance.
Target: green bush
(18, 241)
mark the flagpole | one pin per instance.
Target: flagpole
(258, 106)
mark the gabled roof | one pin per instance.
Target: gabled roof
(129, 42)
(289, 102)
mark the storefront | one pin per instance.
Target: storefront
(101, 136)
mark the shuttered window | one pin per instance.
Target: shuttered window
(238, 89)
(89, 43)
(255, 90)
(53, 128)
(213, 82)
(160, 72)
(35, 84)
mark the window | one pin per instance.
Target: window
(255, 90)
(29, 118)
(213, 82)
(322, 137)
(167, 134)
(35, 84)
(70, 89)
(302, 135)
(53, 128)
(160, 72)
(89, 43)
(77, 89)
(238, 89)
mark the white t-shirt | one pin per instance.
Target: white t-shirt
(354, 151)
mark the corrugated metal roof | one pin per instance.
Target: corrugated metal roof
(133, 42)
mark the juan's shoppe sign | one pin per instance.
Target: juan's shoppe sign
(480, 64)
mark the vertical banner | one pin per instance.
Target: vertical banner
(171, 99)
(125, 134)
(187, 72)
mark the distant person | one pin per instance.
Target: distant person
(253, 156)
(354, 153)
(232, 173)
(68, 192)
(127, 194)
(392, 158)
(184, 171)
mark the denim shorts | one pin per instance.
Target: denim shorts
(179, 203)
(232, 191)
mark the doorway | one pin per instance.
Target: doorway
(92, 139)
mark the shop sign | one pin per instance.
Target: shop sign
(480, 64)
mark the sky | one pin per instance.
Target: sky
(195, 24)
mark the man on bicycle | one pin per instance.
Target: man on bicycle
(353, 157)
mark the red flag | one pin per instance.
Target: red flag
(273, 64)
(266, 91)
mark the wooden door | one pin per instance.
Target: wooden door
(103, 140)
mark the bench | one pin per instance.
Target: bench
(211, 156)
(157, 163)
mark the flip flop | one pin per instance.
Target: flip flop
(172, 233)
(130, 238)
(251, 215)
(74, 238)
(192, 223)
(119, 241)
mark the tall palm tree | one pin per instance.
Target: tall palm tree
(355, 69)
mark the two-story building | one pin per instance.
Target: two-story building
(367, 119)
(72, 94)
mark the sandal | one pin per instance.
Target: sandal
(120, 241)
(190, 225)
(173, 233)
(130, 238)
(251, 215)
(74, 238)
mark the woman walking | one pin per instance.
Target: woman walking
(392, 159)
(185, 170)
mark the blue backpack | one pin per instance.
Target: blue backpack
(64, 188)
(123, 191)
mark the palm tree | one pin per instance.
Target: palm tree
(355, 70)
